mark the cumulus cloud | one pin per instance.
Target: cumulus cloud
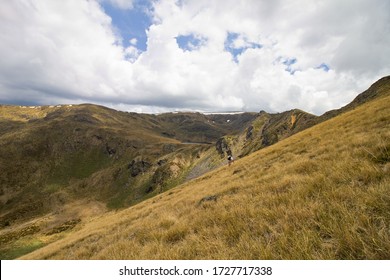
(200, 55)
(43, 50)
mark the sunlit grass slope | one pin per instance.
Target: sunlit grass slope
(323, 193)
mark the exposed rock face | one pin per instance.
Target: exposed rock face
(211, 198)
(267, 129)
(161, 162)
(63, 227)
(269, 138)
(111, 151)
(222, 146)
(249, 132)
(138, 167)
(166, 172)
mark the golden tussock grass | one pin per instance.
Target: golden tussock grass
(321, 194)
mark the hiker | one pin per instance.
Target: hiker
(230, 160)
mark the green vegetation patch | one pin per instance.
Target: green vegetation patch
(20, 248)
(78, 165)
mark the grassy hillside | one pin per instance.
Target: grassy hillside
(56, 162)
(320, 194)
(55, 151)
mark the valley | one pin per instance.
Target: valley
(88, 182)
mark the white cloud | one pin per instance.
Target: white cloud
(68, 51)
(133, 41)
(60, 49)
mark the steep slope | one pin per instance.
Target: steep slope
(266, 129)
(322, 193)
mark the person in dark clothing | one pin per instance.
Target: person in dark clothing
(230, 159)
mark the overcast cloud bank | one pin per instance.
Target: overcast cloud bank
(199, 55)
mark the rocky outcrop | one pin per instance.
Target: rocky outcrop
(64, 227)
(110, 150)
(249, 132)
(223, 146)
(138, 167)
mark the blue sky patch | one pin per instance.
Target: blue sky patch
(324, 67)
(190, 42)
(131, 23)
(236, 44)
(289, 62)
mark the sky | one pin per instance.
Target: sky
(156, 56)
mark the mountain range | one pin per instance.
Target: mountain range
(69, 173)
